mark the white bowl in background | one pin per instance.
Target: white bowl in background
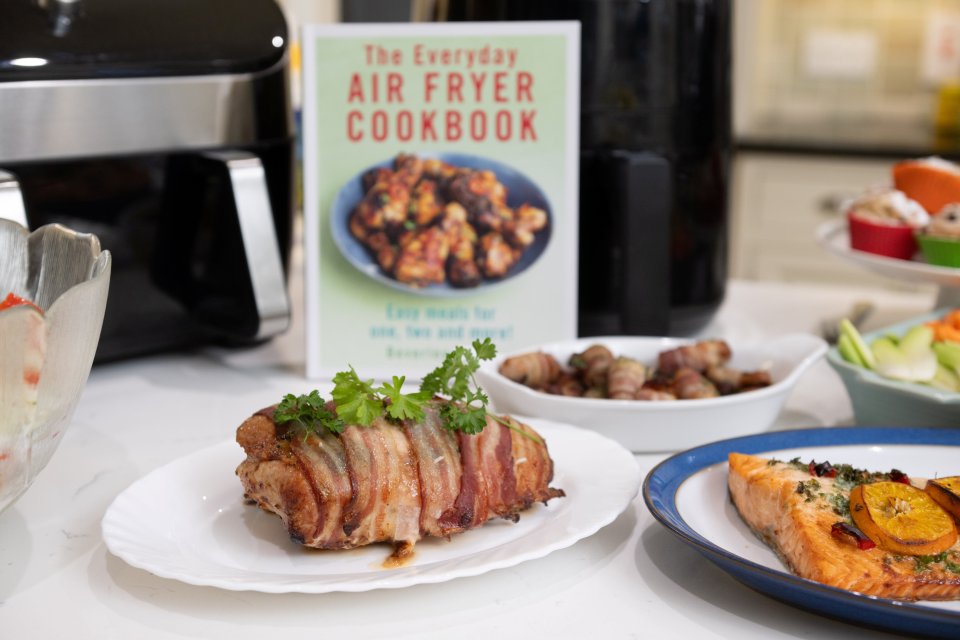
(653, 426)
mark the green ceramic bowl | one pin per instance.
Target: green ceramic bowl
(879, 401)
(944, 252)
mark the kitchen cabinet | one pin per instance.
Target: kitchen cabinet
(778, 202)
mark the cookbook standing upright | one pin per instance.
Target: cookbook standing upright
(440, 175)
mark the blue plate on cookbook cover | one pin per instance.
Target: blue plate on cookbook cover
(520, 190)
(687, 493)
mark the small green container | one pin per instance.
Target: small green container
(943, 252)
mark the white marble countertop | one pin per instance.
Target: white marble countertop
(633, 579)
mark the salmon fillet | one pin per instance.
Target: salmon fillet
(794, 512)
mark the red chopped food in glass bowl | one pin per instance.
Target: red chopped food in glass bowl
(13, 300)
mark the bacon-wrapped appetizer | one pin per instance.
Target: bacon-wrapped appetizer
(699, 356)
(536, 370)
(391, 482)
(692, 371)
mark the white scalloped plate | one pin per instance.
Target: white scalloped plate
(188, 521)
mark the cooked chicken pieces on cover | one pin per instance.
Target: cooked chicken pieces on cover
(404, 208)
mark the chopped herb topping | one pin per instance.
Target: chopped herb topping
(845, 475)
(840, 504)
(922, 563)
(809, 489)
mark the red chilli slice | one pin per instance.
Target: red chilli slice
(841, 529)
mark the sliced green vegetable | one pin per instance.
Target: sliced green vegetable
(913, 363)
(917, 341)
(946, 379)
(948, 354)
(857, 343)
(848, 352)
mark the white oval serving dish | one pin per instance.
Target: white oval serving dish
(653, 426)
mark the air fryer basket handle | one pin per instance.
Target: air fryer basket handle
(645, 184)
(260, 244)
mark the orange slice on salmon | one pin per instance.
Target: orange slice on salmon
(946, 493)
(902, 519)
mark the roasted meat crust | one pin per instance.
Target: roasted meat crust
(389, 483)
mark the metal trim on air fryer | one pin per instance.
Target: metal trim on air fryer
(260, 244)
(56, 119)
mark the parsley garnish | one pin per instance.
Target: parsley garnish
(309, 411)
(454, 379)
(360, 402)
(403, 406)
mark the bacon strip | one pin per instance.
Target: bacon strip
(438, 456)
(389, 483)
(470, 508)
(324, 461)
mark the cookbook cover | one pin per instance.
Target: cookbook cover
(440, 190)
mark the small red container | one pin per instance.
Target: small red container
(881, 239)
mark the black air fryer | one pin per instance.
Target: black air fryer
(164, 127)
(655, 140)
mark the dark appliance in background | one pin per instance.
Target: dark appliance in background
(655, 140)
(164, 128)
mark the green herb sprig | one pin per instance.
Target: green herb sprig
(309, 411)
(454, 379)
(359, 401)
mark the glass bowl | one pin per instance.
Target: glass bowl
(46, 348)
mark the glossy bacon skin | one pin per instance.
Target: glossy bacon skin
(389, 483)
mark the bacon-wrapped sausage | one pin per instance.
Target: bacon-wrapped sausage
(536, 370)
(625, 378)
(699, 356)
(730, 381)
(689, 384)
(592, 364)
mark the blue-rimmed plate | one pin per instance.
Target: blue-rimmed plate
(688, 494)
(520, 190)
